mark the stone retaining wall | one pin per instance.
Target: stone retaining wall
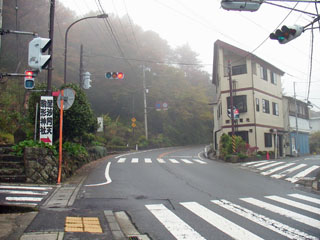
(42, 166)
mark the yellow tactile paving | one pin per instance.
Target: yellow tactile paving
(83, 224)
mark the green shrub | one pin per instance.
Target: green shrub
(18, 149)
(74, 149)
(242, 156)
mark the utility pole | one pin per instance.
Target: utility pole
(50, 51)
(1, 10)
(231, 106)
(145, 101)
(81, 66)
(296, 114)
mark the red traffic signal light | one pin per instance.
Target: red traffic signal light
(114, 75)
(29, 79)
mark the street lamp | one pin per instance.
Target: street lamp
(66, 41)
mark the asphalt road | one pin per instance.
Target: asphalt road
(173, 193)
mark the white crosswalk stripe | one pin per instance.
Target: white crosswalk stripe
(273, 169)
(306, 198)
(261, 164)
(254, 162)
(135, 160)
(220, 222)
(199, 161)
(282, 211)
(277, 169)
(181, 229)
(270, 165)
(147, 160)
(121, 160)
(186, 161)
(290, 170)
(178, 228)
(295, 204)
(161, 160)
(173, 160)
(264, 221)
(23, 195)
(302, 174)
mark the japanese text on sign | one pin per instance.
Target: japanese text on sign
(46, 119)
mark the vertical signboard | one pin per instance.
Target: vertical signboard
(46, 119)
(100, 124)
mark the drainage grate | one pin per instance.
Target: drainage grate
(133, 238)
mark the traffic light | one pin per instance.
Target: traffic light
(86, 80)
(114, 75)
(29, 79)
(286, 34)
(243, 5)
(36, 59)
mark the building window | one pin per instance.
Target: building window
(274, 78)
(268, 140)
(257, 105)
(265, 106)
(275, 109)
(263, 73)
(240, 102)
(254, 68)
(240, 69)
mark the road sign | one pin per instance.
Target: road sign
(133, 125)
(46, 119)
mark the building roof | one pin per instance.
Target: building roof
(220, 44)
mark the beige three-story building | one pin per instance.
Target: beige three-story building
(257, 94)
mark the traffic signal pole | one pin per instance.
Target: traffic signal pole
(50, 50)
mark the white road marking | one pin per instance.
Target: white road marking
(286, 172)
(270, 165)
(23, 192)
(24, 187)
(199, 161)
(131, 153)
(295, 204)
(122, 160)
(277, 169)
(106, 175)
(178, 228)
(187, 161)
(173, 160)
(261, 164)
(226, 226)
(24, 199)
(302, 174)
(135, 160)
(306, 198)
(22, 203)
(147, 160)
(264, 221)
(284, 212)
(160, 160)
(254, 162)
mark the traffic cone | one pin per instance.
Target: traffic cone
(268, 157)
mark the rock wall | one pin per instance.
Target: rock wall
(42, 166)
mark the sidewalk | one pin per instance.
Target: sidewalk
(69, 223)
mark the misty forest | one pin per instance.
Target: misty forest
(173, 75)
